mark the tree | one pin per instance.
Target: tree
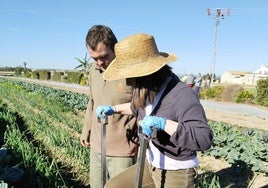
(84, 65)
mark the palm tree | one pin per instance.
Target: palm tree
(84, 65)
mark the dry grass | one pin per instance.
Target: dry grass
(229, 92)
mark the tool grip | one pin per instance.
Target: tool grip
(105, 120)
(154, 134)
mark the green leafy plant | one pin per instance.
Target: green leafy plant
(212, 92)
(84, 67)
(262, 92)
(244, 96)
(236, 144)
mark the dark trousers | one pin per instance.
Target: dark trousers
(197, 89)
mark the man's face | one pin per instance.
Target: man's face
(103, 55)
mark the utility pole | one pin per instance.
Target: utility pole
(219, 14)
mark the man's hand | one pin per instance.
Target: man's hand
(85, 140)
(149, 122)
(102, 111)
(84, 143)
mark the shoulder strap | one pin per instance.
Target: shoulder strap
(172, 83)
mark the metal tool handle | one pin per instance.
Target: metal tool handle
(144, 142)
(103, 150)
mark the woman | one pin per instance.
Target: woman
(162, 101)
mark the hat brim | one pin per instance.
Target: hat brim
(116, 72)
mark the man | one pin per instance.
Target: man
(121, 133)
(198, 82)
(190, 80)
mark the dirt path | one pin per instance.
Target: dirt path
(233, 118)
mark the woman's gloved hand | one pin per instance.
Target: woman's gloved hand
(149, 122)
(102, 111)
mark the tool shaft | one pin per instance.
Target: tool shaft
(103, 150)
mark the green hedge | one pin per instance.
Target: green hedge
(262, 92)
(35, 75)
(74, 77)
(57, 76)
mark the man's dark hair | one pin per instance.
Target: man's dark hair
(100, 33)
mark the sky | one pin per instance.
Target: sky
(50, 34)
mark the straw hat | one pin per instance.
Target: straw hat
(136, 56)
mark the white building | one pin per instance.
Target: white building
(262, 70)
(247, 78)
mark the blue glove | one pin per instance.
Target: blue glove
(149, 122)
(102, 111)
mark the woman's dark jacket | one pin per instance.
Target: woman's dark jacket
(180, 103)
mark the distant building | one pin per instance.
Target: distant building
(247, 78)
(262, 70)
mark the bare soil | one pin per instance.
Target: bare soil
(250, 121)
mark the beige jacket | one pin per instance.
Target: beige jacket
(121, 131)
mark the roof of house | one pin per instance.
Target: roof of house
(239, 72)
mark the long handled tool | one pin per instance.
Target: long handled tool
(144, 142)
(103, 150)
